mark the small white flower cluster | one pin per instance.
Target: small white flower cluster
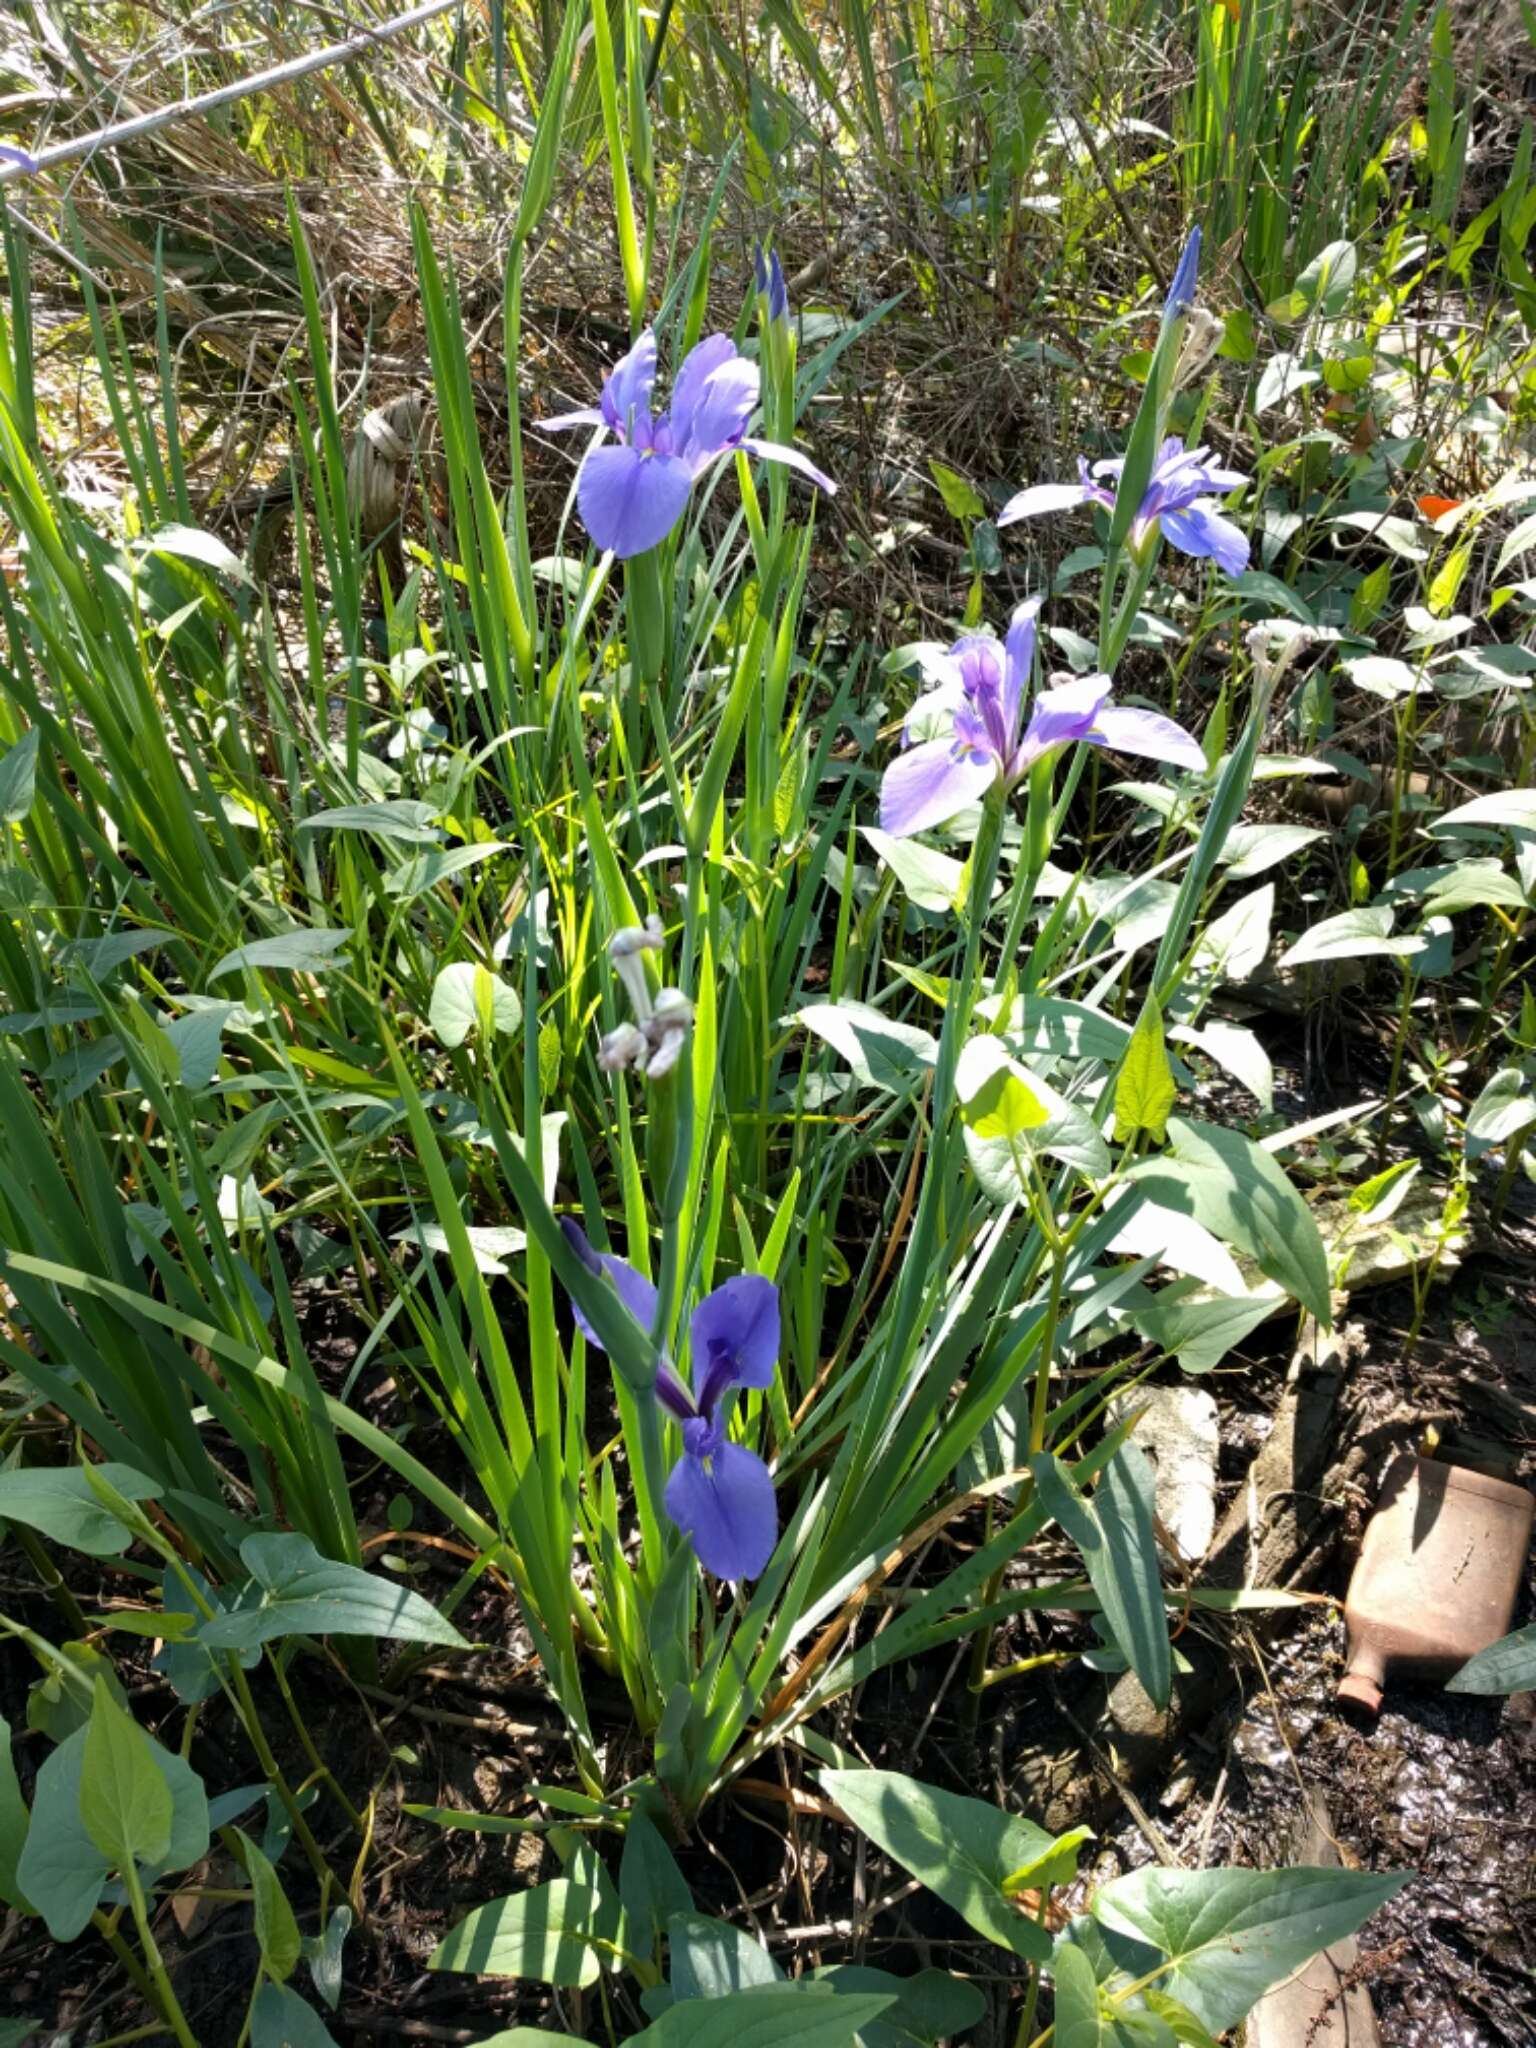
(653, 1044)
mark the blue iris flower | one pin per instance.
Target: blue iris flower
(1177, 501)
(719, 1493)
(632, 495)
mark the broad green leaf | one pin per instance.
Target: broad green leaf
(192, 544)
(277, 1932)
(60, 1701)
(18, 2033)
(531, 2037)
(1056, 1027)
(709, 1958)
(302, 1593)
(1113, 1529)
(324, 1953)
(61, 1869)
(1232, 945)
(198, 1039)
(1251, 849)
(651, 1886)
(932, 880)
(1329, 278)
(1236, 1049)
(1201, 1333)
(1509, 1665)
(1151, 1230)
(1504, 1108)
(13, 1824)
(996, 1098)
(125, 1803)
(960, 499)
(18, 778)
(1009, 1112)
(541, 1933)
(406, 819)
(1057, 1866)
(57, 1500)
(1145, 1091)
(881, 1051)
(1080, 2019)
(1230, 1934)
(309, 950)
(467, 997)
(962, 1849)
(773, 2016)
(1360, 934)
(424, 871)
(1380, 1197)
(930, 2007)
(281, 2019)
(1513, 808)
(1238, 1191)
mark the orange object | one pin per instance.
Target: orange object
(1438, 1576)
(1435, 508)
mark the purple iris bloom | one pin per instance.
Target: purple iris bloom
(932, 781)
(1177, 500)
(633, 495)
(719, 1494)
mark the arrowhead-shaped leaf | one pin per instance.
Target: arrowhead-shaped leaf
(1230, 1934)
(962, 1849)
(125, 1803)
(303, 1593)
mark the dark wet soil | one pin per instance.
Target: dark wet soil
(1443, 1784)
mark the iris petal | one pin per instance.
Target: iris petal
(629, 501)
(928, 784)
(738, 1323)
(634, 1290)
(627, 389)
(718, 415)
(1202, 531)
(1038, 498)
(724, 1502)
(791, 458)
(1131, 731)
(698, 366)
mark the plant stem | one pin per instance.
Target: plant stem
(322, 1770)
(165, 1995)
(1404, 1010)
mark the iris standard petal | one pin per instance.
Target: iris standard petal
(791, 458)
(719, 414)
(1037, 498)
(724, 1502)
(583, 416)
(1155, 737)
(634, 1290)
(1018, 658)
(627, 388)
(738, 1324)
(1200, 530)
(928, 784)
(629, 501)
(698, 366)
